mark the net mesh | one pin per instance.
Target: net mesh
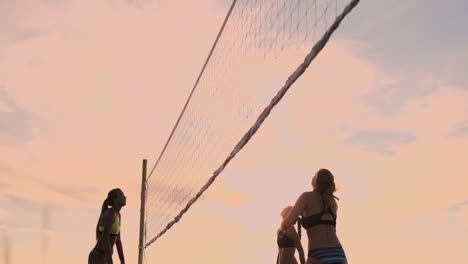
(259, 46)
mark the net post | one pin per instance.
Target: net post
(142, 213)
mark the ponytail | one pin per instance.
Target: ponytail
(326, 187)
(105, 205)
(327, 195)
(107, 202)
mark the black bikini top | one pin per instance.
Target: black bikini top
(316, 219)
(284, 241)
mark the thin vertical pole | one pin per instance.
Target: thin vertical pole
(142, 213)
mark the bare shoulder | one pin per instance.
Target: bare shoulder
(109, 211)
(306, 195)
(309, 197)
(108, 215)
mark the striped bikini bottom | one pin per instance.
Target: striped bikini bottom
(334, 255)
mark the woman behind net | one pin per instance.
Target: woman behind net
(288, 242)
(318, 209)
(108, 230)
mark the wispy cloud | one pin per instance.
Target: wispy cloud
(13, 26)
(424, 61)
(454, 69)
(43, 231)
(72, 191)
(455, 207)
(80, 192)
(15, 201)
(437, 217)
(421, 47)
(378, 141)
(16, 123)
(391, 99)
(461, 130)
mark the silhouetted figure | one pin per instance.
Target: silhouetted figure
(318, 209)
(288, 242)
(108, 230)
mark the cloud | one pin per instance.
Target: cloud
(422, 62)
(419, 40)
(439, 219)
(453, 68)
(378, 141)
(72, 191)
(15, 201)
(16, 124)
(19, 179)
(43, 231)
(391, 99)
(455, 208)
(28, 215)
(419, 237)
(14, 26)
(84, 75)
(461, 130)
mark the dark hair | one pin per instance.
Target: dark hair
(107, 202)
(325, 184)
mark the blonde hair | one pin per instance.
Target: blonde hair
(285, 211)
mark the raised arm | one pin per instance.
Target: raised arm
(119, 244)
(294, 214)
(297, 243)
(108, 218)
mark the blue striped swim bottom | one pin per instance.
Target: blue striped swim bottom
(334, 255)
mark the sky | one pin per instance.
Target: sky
(90, 88)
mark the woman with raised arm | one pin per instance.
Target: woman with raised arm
(289, 242)
(108, 230)
(318, 209)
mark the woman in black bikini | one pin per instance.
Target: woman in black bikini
(108, 230)
(318, 209)
(288, 242)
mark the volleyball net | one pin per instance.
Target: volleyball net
(263, 47)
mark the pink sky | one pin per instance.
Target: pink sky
(89, 89)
